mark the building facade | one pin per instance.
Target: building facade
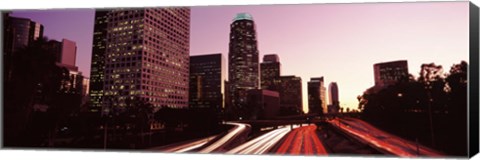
(243, 60)
(262, 104)
(317, 96)
(97, 69)
(207, 76)
(333, 97)
(146, 55)
(69, 52)
(19, 32)
(269, 71)
(290, 92)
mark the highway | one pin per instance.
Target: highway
(261, 144)
(208, 144)
(232, 135)
(189, 146)
(302, 140)
(381, 139)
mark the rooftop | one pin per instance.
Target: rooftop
(243, 16)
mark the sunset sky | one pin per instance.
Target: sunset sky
(338, 41)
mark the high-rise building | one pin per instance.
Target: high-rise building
(243, 68)
(207, 74)
(389, 73)
(69, 52)
(65, 52)
(269, 71)
(333, 97)
(97, 70)
(290, 91)
(316, 96)
(146, 56)
(262, 104)
(19, 32)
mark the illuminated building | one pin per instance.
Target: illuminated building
(147, 56)
(316, 96)
(207, 74)
(19, 32)
(269, 71)
(243, 68)
(290, 92)
(97, 70)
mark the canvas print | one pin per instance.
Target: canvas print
(366, 79)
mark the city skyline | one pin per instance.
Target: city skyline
(371, 37)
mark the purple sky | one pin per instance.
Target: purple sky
(338, 41)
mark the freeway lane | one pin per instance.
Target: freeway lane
(302, 140)
(261, 144)
(189, 146)
(234, 133)
(209, 144)
(381, 139)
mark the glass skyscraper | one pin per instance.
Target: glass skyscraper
(145, 55)
(243, 59)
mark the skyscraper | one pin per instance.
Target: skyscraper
(333, 97)
(146, 55)
(65, 52)
(316, 96)
(69, 52)
(19, 32)
(269, 71)
(97, 70)
(207, 74)
(243, 70)
(262, 104)
(290, 92)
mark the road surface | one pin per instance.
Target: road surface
(261, 144)
(233, 135)
(302, 140)
(382, 140)
(209, 144)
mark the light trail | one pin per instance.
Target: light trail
(189, 146)
(381, 139)
(237, 130)
(261, 144)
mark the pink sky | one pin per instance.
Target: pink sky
(338, 41)
(342, 41)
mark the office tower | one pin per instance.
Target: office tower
(316, 96)
(97, 70)
(389, 73)
(19, 32)
(262, 104)
(269, 71)
(207, 74)
(146, 56)
(243, 68)
(333, 97)
(69, 52)
(290, 91)
(65, 52)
